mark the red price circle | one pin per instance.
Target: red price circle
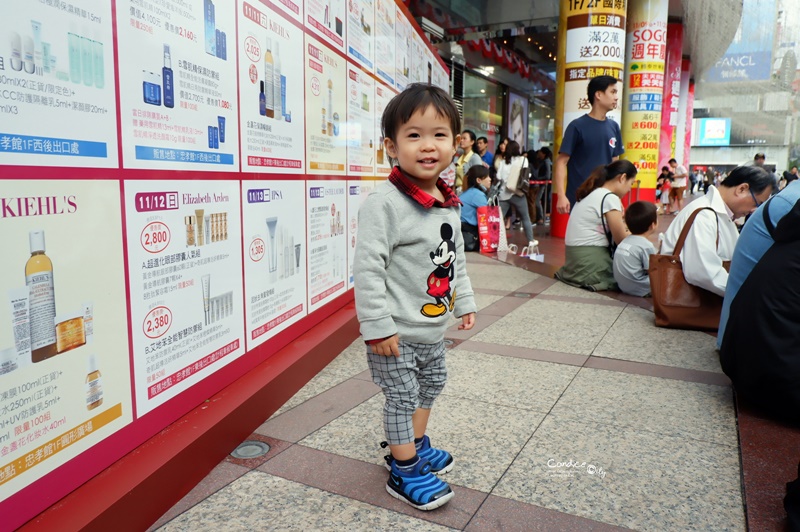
(155, 237)
(253, 73)
(315, 86)
(157, 322)
(252, 48)
(257, 250)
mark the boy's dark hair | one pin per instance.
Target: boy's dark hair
(416, 97)
(665, 169)
(600, 83)
(473, 174)
(639, 216)
(484, 139)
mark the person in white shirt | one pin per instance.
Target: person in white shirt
(680, 177)
(513, 162)
(713, 235)
(595, 225)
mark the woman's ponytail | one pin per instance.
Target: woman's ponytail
(603, 174)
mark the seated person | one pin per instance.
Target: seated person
(632, 257)
(595, 223)
(477, 185)
(760, 349)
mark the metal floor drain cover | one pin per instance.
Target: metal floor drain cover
(522, 295)
(250, 449)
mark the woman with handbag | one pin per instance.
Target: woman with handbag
(512, 170)
(595, 227)
(712, 235)
(477, 183)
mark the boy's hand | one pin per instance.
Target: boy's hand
(387, 348)
(467, 322)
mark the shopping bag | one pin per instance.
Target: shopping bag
(489, 222)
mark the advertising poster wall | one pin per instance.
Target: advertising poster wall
(64, 371)
(185, 273)
(670, 110)
(292, 9)
(271, 92)
(403, 32)
(440, 76)
(326, 18)
(385, 41)
(274, 214)
(517, 119)
(357, 192)
(361, 138)
(327, 248)
(326, 104)
(58, 106)
(383, 95)
(178, 86)
(420, 67)
(361, 33)
(644, 89)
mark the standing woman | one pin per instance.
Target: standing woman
(514, 161)
(467, 159)
(545, 173)
(498, 157)
(588, 262)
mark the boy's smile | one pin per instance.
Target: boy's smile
(424, 147)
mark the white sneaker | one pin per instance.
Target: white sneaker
(533, 243)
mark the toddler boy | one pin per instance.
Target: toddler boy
(632, 258)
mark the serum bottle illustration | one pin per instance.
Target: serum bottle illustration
(74, 46)
(166, 73)
(262, 99)
(269, 79)
(151, 88)
(276, 82)
(330, 107)
(98, 65)
(42, 303)
(94, 384)
(87, 62)
(211, 27)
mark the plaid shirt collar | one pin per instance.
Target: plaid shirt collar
(399, 179)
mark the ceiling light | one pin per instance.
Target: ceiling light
(529, 39)
(541, 47)
(505, 41)
(483, 91)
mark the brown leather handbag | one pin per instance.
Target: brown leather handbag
(676, 303)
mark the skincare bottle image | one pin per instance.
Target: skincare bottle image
(297, 250)
(207, 228)
(224, 40)
(211, 137)
(205, 282)
(27, 55)
(98, 65)
(221, 124)
(166, 74)
(36, 27)
(74, 45)
(87, 72)
(151, 88)
(218, 40)
(269, 79)
(19, 298)
(16, 51)
(330, 107)
(272, 224)
(213, 227)
(210, 29)
(224, 226)
(324, 122)
(262, 99)
(46, 57)
(215, 131)
(70, 332)
(276, 82)
(94, 384)
(199, 225)
(88, 321)
(8, 360)
(189, 221)
(42, 301)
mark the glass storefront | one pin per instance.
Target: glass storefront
(484, 102)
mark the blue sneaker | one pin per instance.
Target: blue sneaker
(418, 486)
(441, 461)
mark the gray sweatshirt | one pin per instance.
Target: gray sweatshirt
(409, 266)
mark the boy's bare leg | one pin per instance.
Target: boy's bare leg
(406, 451)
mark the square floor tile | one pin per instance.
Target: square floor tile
(635, 337)
(499, 276)
(258, 501)
(506, 381)
(664, 406)
(553, 326)
(482, 437)
(629, 478)
(565, 290)
(484, 300)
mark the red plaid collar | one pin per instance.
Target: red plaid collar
(399, 179)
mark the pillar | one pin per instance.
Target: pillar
(645, 57)
(591, 42)
(687, 106)
(670, 110)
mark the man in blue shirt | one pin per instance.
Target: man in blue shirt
(589, 141)
(482, 144)
(753, 242)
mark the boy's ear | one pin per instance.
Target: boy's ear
(391, 149)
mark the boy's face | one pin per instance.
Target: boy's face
(424, 146)
(607, 99)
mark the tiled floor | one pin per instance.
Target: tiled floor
(564, 410)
